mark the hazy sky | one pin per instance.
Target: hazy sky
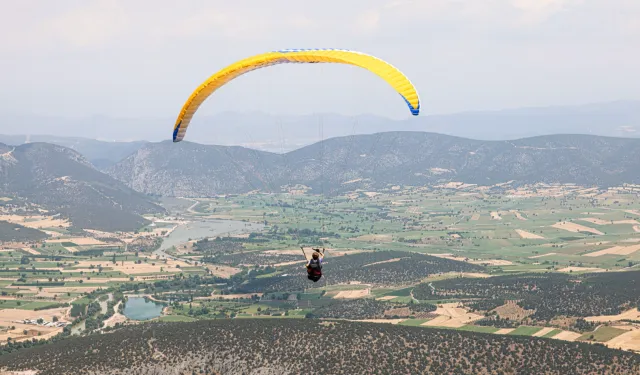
(142, 58)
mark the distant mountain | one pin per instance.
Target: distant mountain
(379, 160)
(285, 133)
(101, 154)
(64, 182)
(193, 170)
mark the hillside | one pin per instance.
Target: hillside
(190, 169)
(15, 232)
(269, 347)
(380, 160)
(63, 182)
(101, 154)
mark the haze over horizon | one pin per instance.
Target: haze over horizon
(142, 59)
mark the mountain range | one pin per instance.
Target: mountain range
(377, 161)
(286, 133)
(63, 182)
(100, 154)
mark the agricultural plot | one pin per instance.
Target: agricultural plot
(527, 255)
(602, 334)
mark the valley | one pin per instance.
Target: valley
(391, 257)
(541, 261)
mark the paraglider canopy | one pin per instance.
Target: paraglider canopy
(384, 70)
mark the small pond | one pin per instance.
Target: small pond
(138, 308)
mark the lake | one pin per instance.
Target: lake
(209, 228)
(137, 308)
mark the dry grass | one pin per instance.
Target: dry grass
(386, 298)
(542, 255)
(616, 250)
(581, 269)
(52, 233)
(567, 336)
(223, 271)
(625, 222)
(633, 314)
(8, 318)
(576, 228)
(450, 315)
(36, 221)
(504, 331)
(627, 341)
(512, 311)
(543, 331)
(31, 251)
(492, 262)
(596, 221)
(495, 216)
(81, 241)
(528, 235)
(131, 268)
(352, 294)
(384, 238)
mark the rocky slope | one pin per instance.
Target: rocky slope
(63, 182)
(379, 160)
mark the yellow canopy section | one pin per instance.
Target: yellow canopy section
(383, 69)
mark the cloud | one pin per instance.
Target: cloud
(93, 24)
(534, 12)
(143, 56)
(238, 22)
(367, 21)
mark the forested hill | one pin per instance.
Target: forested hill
(63, 182)
(380, 160)
(289, 346)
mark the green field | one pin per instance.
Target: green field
(460, 222)
(413, 322)
(525, 331)
(487, 228)
(552, 333)
(602, 334)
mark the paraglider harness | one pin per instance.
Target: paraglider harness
(314, 267)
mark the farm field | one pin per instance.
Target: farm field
(403, 256)
(537, 228)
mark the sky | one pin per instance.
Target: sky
(143, 58)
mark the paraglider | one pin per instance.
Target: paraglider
(314, 265)
(394, 77)
(386, 71)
